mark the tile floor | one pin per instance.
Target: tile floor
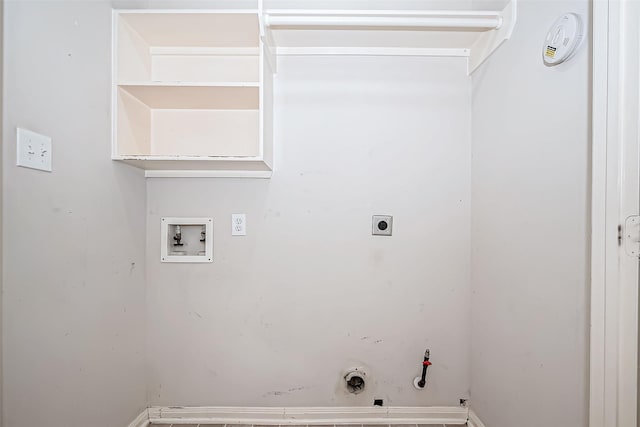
(325, 425)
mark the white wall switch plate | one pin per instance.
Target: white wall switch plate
(34, 150)
(238, 224)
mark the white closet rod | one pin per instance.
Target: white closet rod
(489, 23)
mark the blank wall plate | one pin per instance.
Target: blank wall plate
(34, 150)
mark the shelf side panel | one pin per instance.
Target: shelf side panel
(133, 57)
(205, 132)
(267, 106)
(134, 125)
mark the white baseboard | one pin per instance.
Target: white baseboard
(142, 420)
(474, 421)
(309, 415)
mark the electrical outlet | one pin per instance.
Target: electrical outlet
(382, 225)
(238, 224)
(34, 150)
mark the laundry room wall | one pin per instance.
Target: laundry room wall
(1, 198)
(281, 313)
(530, 229)
(486, 178)
(74, 239)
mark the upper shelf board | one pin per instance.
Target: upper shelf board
(392, 19)
(473, 34)
(223, 28)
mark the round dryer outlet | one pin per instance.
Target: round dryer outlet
(355, 380)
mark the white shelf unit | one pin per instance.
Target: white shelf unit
(193, 89)
(471, 34)
(192, 93)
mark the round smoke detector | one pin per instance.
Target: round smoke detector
(563, 39)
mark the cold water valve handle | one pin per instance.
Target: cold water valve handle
(421, 382)
(178, 236)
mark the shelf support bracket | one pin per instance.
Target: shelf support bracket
(269, 45)
(492, 40)
(270, 50)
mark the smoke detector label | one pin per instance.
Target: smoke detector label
(550, 52)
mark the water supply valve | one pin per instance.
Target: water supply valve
(421, 381)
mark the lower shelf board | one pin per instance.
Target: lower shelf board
(199, 167)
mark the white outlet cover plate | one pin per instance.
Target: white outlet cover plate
(34, 150)
(238, 224)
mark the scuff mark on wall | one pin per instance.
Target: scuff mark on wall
(289, 391)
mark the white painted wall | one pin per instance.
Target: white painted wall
(74, 239)
(529, 235)
(281, 312)
(1, 191)
(309, 292)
